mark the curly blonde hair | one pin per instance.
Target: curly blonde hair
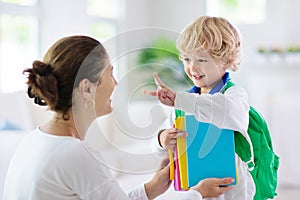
(214, 35)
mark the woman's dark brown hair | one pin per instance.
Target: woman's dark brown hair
(65, 64)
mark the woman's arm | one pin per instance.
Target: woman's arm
(207, 188)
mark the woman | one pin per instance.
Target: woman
(53, 162)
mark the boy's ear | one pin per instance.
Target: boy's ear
(228, 63)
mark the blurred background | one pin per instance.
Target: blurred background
(140, 39)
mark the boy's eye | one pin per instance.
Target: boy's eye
(187, 59)
(202, 60)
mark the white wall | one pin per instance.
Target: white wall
(175, 16)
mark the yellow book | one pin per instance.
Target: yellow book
(237, 174)
(181, 149)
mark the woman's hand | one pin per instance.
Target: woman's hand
(160, 182)
(213, 187)
(164, 94)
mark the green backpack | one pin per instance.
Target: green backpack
(266, 162)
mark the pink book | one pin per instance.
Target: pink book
(177, 184)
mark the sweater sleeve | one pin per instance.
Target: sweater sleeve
(138, 193)
(229, 110)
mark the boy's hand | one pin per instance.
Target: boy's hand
(164, 94)
(167, 138)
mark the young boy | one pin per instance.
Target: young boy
(209, 47)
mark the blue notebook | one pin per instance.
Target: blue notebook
(210, 151)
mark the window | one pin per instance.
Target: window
(20, 32)
(20, 2)
(104, 8)
(103, 25)
(102, 29)
(242, 12)
(103, 17)
(18, 42)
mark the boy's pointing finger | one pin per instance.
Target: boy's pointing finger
(157, 80)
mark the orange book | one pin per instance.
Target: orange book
(171, 158)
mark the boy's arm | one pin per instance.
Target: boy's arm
(155, 141)
(229, 110)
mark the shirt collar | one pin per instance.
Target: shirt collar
(217, 87)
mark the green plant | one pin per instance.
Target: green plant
(230, 3)
(293, 49)
(262, 50)
(161, 56)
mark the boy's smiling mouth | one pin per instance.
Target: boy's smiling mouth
(198, 77)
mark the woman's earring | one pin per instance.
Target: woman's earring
(89, 104)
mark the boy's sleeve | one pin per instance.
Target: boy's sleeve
(155, 146)
(229, 110)
(186, 102)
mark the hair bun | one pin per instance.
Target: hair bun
(41, 69)
(37, 100)
(41, 83)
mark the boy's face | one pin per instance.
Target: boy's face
(202, 69)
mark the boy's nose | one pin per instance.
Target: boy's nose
(195, 68)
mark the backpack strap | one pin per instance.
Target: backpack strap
(249, 160)
(228, 84)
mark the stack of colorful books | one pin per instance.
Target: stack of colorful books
(207, 152)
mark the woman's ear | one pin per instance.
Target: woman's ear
(86, 88)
